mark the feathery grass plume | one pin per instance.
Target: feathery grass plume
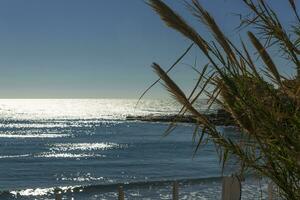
(267, 114)
(265, 56)
(183, 110)
(173, 20)
(206, 18)
(269, 27)
(250, 61)
(177, 93)
(176, 22)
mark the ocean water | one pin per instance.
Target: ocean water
(85, 149)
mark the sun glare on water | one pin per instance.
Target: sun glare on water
(80, 108)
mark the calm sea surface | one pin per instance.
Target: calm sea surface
(86, 148)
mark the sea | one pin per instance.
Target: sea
(86, 149)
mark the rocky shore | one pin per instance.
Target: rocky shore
(220, 118)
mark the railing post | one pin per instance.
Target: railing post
(175, 191)
(231, 188)
(273, 191)
(57, 194)
(270, 191)
(121, 195)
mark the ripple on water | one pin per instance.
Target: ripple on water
(84, 146)
(46, 135)
(67, 155)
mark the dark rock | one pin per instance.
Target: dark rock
(220, 118)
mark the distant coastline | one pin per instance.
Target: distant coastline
(220, 118)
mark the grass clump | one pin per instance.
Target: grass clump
(264, 104)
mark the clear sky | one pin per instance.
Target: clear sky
(95, 48)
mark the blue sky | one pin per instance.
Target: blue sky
(95, 48)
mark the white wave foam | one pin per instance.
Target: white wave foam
(33, 125)
(82, 179)
(83, 146)
(42, 191)
(67, 155)
(33, 135)
(14, 156)
(204, 191)
(33, 192)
